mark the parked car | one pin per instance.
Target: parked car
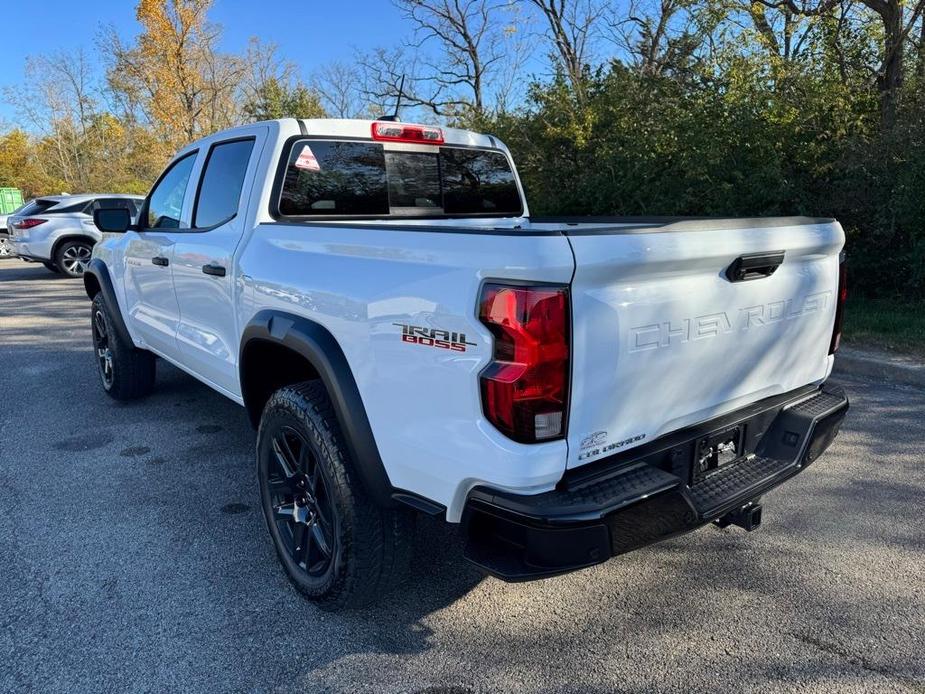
(406, 338)
(10, 202)
(58, 230)
(6, 248)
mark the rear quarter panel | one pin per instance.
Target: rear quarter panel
(423, 402)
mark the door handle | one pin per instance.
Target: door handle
(160, 260)
(215, 270)
(754, 266)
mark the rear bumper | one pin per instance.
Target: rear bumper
(29, 258)
(650, 493)
(22, 250)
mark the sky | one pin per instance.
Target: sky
(308, 33)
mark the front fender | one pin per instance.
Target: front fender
(97, 281)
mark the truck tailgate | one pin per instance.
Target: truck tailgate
(663, 338)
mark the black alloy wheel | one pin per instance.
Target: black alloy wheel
(338, 546)
(104, 358)
(303, 511)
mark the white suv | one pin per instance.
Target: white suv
(58, 230)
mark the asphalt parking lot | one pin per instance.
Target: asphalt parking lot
(133, 558)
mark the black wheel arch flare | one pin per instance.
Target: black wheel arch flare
(97, 281)
(314, 343)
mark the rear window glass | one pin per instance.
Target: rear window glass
(325, 177)
(414, 180)
(478, 182)
(342, 178)
(37, 206)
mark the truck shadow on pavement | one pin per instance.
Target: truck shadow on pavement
(439, 575)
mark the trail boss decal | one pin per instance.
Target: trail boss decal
(434, 337)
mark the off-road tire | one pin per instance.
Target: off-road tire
(131, 371)
(371, 544)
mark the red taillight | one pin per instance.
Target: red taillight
(525, 387)
(403, 132)
(29, 223)
(840, 307)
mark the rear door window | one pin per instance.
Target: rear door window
(73, 208)
(222, 180)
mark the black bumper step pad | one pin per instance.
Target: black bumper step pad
(733, 485)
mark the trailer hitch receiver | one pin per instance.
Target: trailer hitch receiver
(747, 517)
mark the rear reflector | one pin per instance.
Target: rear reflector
(840, 307)
(404, 132)
(30, 222)
(525, 387)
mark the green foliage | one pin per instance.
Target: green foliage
(749, 137)
(273, 99)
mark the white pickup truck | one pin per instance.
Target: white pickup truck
(407, 338)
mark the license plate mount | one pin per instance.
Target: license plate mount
(717, 450)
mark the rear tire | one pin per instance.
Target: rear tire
(51, 266)
(6, 248)
(72, 257)
(126, 372)
(337, 546)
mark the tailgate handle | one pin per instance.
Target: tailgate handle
(754, 266)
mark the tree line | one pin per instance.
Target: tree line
(656, 107)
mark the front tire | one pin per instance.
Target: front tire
(337, 546)
(73, 257)
(51, 266)
(126, 372)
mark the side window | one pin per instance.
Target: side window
(221, 184)
(67, 209)
(165, 204)
(112, 203)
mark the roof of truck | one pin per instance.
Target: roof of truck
(360, 128)
(349, 128)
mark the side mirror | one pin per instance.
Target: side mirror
(113, 220)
